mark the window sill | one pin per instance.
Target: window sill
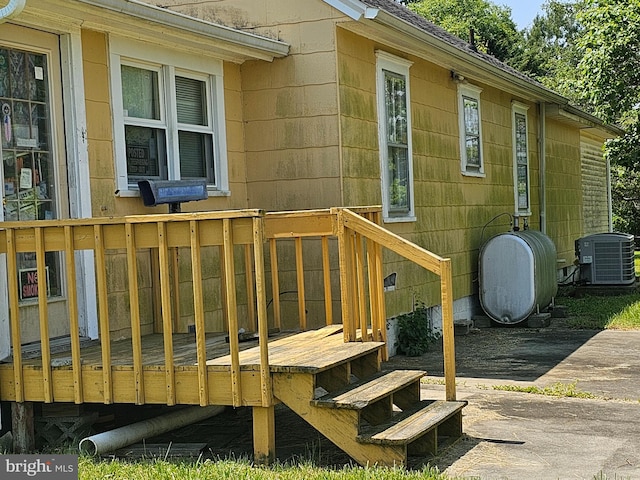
(407, 219)
(473, 174)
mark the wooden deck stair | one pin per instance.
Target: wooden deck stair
(375, 417)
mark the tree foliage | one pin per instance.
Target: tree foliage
(549, 52)
(609, 72)
(491, 26)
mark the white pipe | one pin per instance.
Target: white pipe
(12, 9)
(123, 436)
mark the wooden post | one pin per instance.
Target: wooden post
(302, 309)
(198, 309)
(22, 426)
(264, 434)
(326, 274)
(275, 283)
(103, 315)
(446, 293)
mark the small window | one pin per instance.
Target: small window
(521, 159)
(470, 123)
(169, 117)
(394, 124)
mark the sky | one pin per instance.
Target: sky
(522, 11)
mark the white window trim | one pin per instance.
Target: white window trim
(172, 63)
(522, 109)
(386, 61)
(471, 91)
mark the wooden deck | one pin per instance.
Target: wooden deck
(171, 274)
(311, 351)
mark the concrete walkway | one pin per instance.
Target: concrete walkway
(513, 435)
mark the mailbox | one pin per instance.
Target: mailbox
(172, 192)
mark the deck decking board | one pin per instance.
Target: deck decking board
(312, 350)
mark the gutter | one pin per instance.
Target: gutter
(11, 10)
(447, 48)
(134, 8)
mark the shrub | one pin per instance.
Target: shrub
(415, 333)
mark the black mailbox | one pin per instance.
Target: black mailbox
(173, 192)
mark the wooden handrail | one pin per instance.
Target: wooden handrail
(352, 224)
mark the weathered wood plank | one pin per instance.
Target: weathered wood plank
(72, 299)
(232, 305)
(167, 322)
(326, 275)
(198, 309)
(14, 312)
(414, 426)
(43, 313)
(134, 308)
(103, 314)
(362, 395)
(275, 283)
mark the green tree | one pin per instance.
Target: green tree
(493, 30)
(549, 52)
(609, 72)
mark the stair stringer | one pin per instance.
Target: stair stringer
(296, 390)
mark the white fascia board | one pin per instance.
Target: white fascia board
(385, 19)
(252, 45)
(351, 8)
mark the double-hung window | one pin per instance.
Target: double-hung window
(470, 124)
(520, 158)
(394, 134)
(169, 117)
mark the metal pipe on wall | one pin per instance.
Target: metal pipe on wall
(542, 155)
(121, 437)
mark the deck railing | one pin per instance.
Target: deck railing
(331, 258)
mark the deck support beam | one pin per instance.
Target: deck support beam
(264, 434)
(22, 426)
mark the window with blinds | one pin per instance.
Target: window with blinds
(168, 129)
(194, 144)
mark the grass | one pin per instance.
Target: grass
(558, 389)
(615, 312)
(90, 469)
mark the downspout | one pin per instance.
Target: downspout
(12, 9)
(542, 155)
(609, 200)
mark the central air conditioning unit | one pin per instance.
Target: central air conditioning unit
(606, 259)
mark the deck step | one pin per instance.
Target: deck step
(360, 395)
(413, 426)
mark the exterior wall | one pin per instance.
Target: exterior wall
(453, 211)
(564, 189)
(106, 203)
(101, 148)
(290, 106)
(595, 176)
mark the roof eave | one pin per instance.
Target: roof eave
(249, 44)
(543, 94)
